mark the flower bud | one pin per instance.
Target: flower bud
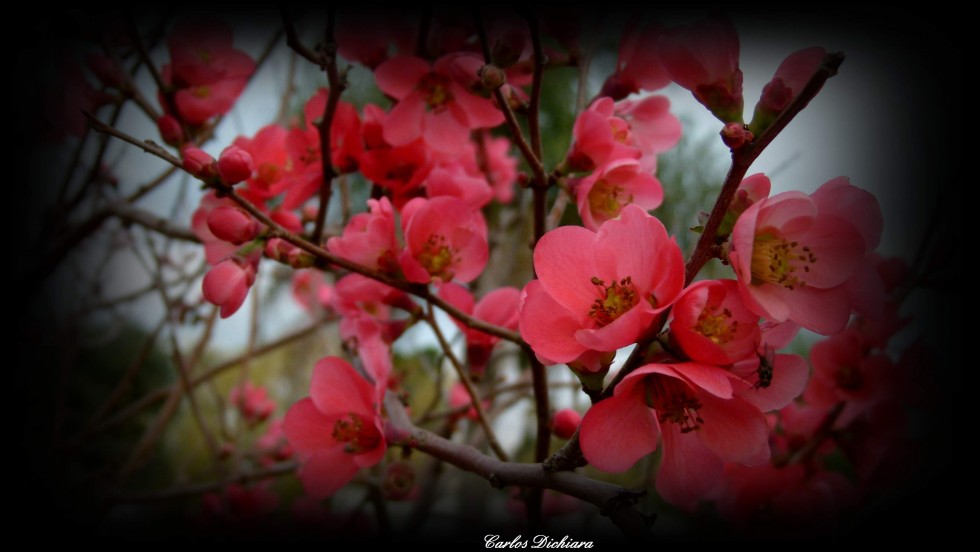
(234, 165)
(233, 225)
(565, 422)
(736, 135)
(493, 77)
(170, 130)
(198, 162)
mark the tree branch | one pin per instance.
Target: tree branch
(614, 502)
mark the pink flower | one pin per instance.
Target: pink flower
(702, 423)
(602, 195)
(270, 159)
(600, 138)
(400, 169)
(453, 180)
(369, 238)
(599, 291)
(445, 239)
(653, 128)
(337, 430)
(499, 307)
(712, 325)
(794, 253)
(360, 298)
(226, 285)
(253, 402)
(272, 444)
(207, 70)
(844, 371)
(431, 104)
(311, 290)
(703, 57)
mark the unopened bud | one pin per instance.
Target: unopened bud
(233, 225)
(170, 130)
(235, 165)
(736, 135)
(565, 422)
(199, 163)
(493, 77)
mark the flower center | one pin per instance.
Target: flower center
(719, 328)
(778, 261)
(606, 199)
(201, 92)
(435, 89)
(356, 436)
(615, 300)
(674, 403)
(849, 377)
(437, 257)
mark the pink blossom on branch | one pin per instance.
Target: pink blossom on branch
(445, 239)
(337, 430)
(602, 195)
(498, 307)
(795, 254)
(703, 425)
(710, 324)
(431, 104)
(599, 291)
(369, 238)
(205, 68)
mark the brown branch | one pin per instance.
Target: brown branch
(464, 378)
(533, 120)
(140, 451)
(129, 214)
(820, 435)
(293, 41)
(324, 126)
(162, 393)
(197, 489)
(613, 501)
(537, 169)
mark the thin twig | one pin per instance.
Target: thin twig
(464, 378)
(325, 125)
(615, 502)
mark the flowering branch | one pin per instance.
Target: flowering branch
(570, 455)
(613, 501)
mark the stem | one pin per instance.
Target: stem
(162, 393)
(204, 488)
(533, 123)
(481, 414)
(533, 161)
(614, 502)
(324, 126)
(819, 436)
